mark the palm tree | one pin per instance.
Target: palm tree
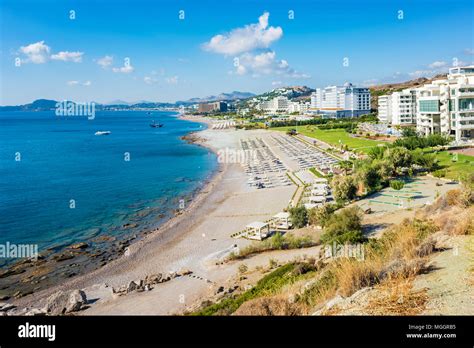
(346, 166)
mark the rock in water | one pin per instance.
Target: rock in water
(80, 245)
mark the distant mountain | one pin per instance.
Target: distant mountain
(123, 102)
(295, 93)
(223, 96)
(37, 105)
(46, 105)
(118, 102)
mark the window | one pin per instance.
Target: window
(429, 106)
(466, 104)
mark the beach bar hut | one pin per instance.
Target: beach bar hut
(257, 230)
(282, 220)
(317, 199)
(319, 192)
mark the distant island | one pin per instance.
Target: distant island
(47, 104)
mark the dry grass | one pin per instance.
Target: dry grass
(353, 275)
(456, 221)
(273, 305)
(454, 197)
(390, 265)
(399, 254)
(397, 297)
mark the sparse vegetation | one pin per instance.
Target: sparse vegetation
(343, 227)
(299, 216)
(275, 242)
(320, 215)
(266, 286)
(388, 266)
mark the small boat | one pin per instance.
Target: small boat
(156, 125)
(103, 132)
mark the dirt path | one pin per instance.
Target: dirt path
(451, 283)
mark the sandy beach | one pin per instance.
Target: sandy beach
(194, 240)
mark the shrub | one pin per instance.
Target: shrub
(399, 156)
(414, 142)
(370, 177)
(377, 152)
(344, 227)
(439, 173)
(243, 268)
(397, 184)
(319, 216)
(272, 263)
(299, 216)
(428, 161)
(276, 241)
(409, 132)
(344, 188)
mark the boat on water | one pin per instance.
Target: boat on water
(153, 124)
(103, 132)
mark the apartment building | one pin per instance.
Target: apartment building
(212, 107)
(398, 108)
(447, 106)
(384, 110)
(341, 101)
(276, 105)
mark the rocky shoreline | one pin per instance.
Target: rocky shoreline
(60, 263)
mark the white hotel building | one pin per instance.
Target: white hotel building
(447, 106)
(384, 107)
(281, 104)
(399, 108)
(341, 101)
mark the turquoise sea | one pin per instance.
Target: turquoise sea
(61, 184)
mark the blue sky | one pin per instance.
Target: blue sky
(260, 47)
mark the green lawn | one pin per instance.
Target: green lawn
(463, 165)
(334, 137)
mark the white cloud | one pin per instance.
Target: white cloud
(248, 38)
(173, 80)
(126, 69)
(105, 61)
(37, 53)
(66, 56)
(437, 64)
(149, 80)
(250, 46)
(265, 63)
(76, 83)
(276, 83)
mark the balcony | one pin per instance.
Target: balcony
(466, 126)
